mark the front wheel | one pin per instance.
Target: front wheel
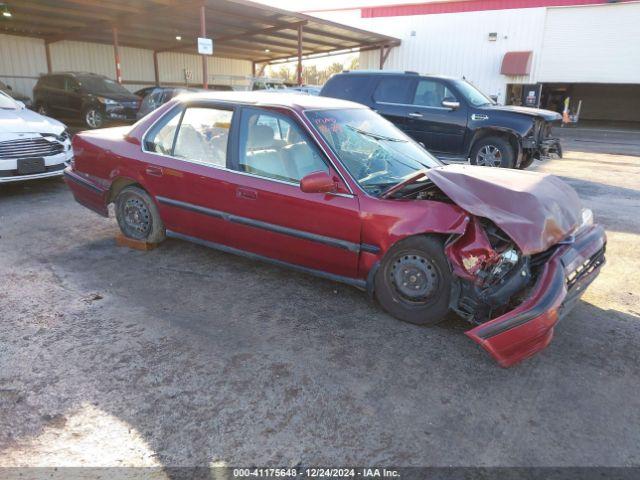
(493, 152)
(93, 117)
(414, 281)
(138, 216)
(43, 110)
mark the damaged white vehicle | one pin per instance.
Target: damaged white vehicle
(31, 146)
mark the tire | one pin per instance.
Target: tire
(43, 110)
(93, 117)
(138, 216)
(415, 262)
(493, 152)
(526, 162)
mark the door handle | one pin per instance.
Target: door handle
(415, 115)
(246, 193)
(154, 171)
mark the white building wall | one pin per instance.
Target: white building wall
(455, 44)
(23, 60)
(598, 43)
(594, 44)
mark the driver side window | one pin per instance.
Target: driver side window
(273, 146)
(430, 93)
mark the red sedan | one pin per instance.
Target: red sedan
(331, 188)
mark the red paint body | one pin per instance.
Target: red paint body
(367, 225)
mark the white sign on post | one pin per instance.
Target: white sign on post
(205, 46)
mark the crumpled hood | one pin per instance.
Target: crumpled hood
(536, 210)
(548, 115)
(28, 121)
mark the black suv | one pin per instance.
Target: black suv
(92, 98)
(451, 117)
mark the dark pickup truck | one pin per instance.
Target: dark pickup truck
(452, 118)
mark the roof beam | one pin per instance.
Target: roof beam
(124, 20)
(243, 35)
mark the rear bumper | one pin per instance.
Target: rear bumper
(86, 192)
(527, 329)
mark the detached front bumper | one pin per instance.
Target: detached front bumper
(527, 329)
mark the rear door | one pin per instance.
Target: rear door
(392, 97)
(54, 97)
(440, 128)
(73, 96)
(274, 217)
(184, 167)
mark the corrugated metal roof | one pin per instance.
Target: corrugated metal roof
(241, 29)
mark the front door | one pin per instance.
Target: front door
(272, 216)
(439, 127)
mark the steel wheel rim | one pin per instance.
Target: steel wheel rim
(136, 217)
(93, 118)
(414, 277)
(489, 156)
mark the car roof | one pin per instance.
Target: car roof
(291, 100)
(376, 73)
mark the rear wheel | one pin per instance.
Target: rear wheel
(493, 152)
(414, 281)
(138, 216)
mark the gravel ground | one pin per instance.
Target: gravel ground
(187, 356)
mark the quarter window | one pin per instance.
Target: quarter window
(203, 135)
(272, 146)
(160, 139)
(430, 93)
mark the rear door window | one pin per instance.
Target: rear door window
(203, 135)
(394, 90)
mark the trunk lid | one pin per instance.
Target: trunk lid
(536, 210)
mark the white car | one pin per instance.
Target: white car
(31, 146)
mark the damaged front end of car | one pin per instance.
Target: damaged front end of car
(526, 256)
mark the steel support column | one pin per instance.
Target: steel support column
(203, 34)
(156, 71)
(116, 54)
(47, 52)
(299, 55)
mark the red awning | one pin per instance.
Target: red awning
(516, 63)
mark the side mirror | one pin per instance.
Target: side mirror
(21, 105)
(317, 182)
(453, 105)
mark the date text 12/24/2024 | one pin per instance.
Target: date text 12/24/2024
(315, 473)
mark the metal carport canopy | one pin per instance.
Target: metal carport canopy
(240, 29)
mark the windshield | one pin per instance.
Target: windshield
(98, 85)
(474, 96)
(7, 103)
(377, 154)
